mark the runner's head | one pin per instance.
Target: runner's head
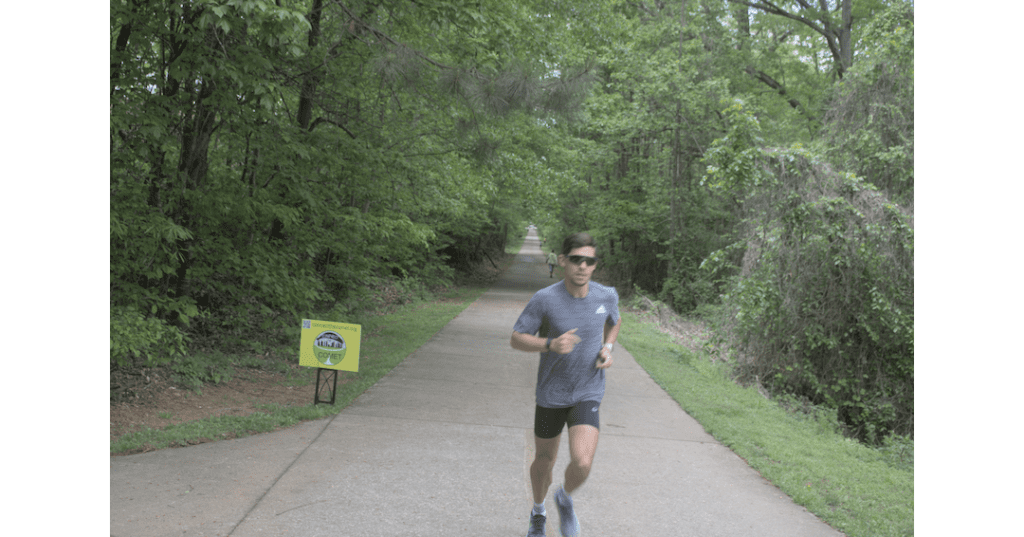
(579, 259)
(577, 240)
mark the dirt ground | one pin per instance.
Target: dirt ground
(157, 402)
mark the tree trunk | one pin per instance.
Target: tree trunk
(742, 16)
(677, 151)
(305, 113)
(120, 45)
(845, 29)
(195, 140)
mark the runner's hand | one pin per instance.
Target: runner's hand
(565, 343)
(604, 359)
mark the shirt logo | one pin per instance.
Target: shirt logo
(600, 310)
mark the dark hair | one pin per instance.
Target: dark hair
(577, 240)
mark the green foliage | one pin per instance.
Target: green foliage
(824, 302)
(195, 370)
(821, 299)
(899, 451)
(636, 188)
(198, 369)
(134, 336)
(870, 121)
(732, 160)
(269, 159)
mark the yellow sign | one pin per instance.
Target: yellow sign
(329, 345)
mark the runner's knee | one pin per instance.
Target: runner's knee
(583, 461)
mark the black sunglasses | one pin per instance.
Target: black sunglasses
(579, 259)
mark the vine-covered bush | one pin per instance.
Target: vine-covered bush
(823, 306)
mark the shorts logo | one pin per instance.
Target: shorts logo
(600, 310)
(593, 409)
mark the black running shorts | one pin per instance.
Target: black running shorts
(548, 422)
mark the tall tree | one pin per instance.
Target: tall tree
(647, 127)
(272, 157)
(819, 19)
(869, 124)
(786, 46)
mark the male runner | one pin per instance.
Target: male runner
(573, 324)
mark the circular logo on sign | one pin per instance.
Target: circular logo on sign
(329, 347)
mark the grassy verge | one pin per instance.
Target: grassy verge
(387, 340)
(856, 489)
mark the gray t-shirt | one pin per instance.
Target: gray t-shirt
(565, 380)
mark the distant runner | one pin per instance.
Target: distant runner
(552, 261)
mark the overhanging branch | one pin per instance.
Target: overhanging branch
(322, 119)
(767, 80)
(825, 29)
(385, 37)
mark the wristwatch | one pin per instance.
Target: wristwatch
(547, 346)
(609, 346)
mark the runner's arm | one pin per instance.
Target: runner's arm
(528, 343)
(611, 333)
(562, 344)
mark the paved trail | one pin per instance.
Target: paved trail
(442, 445)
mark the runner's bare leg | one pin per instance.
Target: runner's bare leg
(543, 463)
(582, 446)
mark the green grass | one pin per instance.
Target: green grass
(856, 489)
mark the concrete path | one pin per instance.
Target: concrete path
(442, 446)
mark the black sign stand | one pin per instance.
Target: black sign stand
(321, 387)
